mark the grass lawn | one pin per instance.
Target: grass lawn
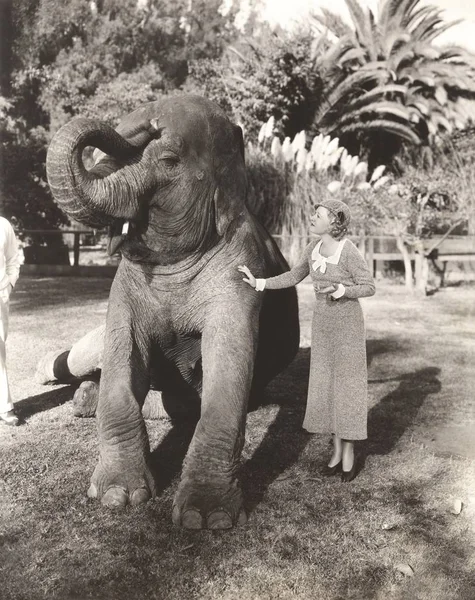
(308, 537)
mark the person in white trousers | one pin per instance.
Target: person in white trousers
(9, 272)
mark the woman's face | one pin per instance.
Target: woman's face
(320, 221)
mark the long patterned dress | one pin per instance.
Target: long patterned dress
(337, 399)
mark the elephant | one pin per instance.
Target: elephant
(170, 182)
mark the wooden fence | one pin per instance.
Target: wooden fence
(376, 249)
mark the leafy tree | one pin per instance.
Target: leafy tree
(385, 81)
(69, 52)
(271, 75)
(24, 193)
(418, 207)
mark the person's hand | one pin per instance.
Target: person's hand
(327, 290)
(250, 279)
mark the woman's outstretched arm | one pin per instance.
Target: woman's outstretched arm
(285, 280)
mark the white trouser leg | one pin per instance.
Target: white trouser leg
(5, 398)
(85, 356)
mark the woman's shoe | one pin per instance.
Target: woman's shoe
(9, 418)
(329, 471)
(347, 476)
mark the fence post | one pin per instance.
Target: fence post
(362, 244)
(370, 255)
(76, 249)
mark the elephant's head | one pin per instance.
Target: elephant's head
(174, 168)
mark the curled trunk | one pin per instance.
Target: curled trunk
(87, 196)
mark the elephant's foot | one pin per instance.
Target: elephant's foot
(47, 367)
(85, 399)
(118, 483)
(208, 505)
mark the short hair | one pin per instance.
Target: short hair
(338, 225)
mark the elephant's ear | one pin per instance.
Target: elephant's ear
(230, 195)
(222, 212)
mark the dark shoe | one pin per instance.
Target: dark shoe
(347, 476)
(9, 418)
(329, 471)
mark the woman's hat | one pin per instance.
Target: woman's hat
(337, 207)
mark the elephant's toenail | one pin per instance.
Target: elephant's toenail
(191, 519)
(140, 496)
(219, 519)
(115, 497)
(242, 519)
(92, 491)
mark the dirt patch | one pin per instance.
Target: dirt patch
(452, 440)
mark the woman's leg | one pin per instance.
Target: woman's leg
(337, 450)
(6, 404)
(348, 454)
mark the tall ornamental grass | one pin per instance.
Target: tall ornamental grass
(288, 178)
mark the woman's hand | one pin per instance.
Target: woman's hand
(250, 279)
(327, 290)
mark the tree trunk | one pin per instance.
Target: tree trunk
(407, 263)
(421, 270)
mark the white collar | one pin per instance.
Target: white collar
(321, 261)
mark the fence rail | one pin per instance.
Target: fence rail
(377, 249)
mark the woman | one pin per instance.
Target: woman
(338, 387)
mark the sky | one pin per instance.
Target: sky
(285, 12)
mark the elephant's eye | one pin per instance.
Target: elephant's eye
(170, 161)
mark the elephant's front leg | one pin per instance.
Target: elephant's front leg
(122, 475)
(209, 495)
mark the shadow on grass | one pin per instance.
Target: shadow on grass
(376, 347)
(33, 293)
(284, 440)
(36, 404)
(396, 412)
(167, 459)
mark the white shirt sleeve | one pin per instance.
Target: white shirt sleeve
(260, 285)
(340, 291)
(12, 256)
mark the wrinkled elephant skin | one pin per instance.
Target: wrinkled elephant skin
(180, 317)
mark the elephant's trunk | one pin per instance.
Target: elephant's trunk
(89, 197)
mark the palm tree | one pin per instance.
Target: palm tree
(386, 83)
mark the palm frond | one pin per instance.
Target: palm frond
(388, 109)
(388, 74)
(429, 35)
(350, 55)
(430, 27)
(351, 86)
(405, 11)
(417, 16)
(386, 10)
(382, 91)
(333, 22)
(390, 42)
(361, 22)
(386, 125)
(330, 60)
(405, 54)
